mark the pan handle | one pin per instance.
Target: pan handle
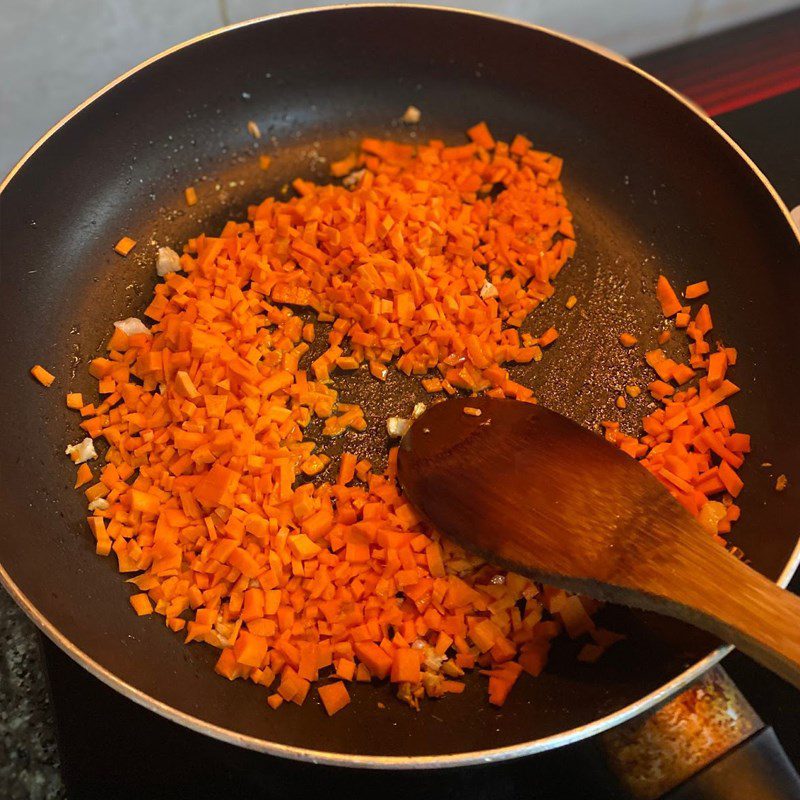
(758, 769)
(705, 744)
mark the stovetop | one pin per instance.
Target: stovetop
(112, 748)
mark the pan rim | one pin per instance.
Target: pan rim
(331, 758)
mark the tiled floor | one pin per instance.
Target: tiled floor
(55, 53)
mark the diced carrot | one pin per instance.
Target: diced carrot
(244, 562)
(717, 364)
(345, 669)
(334, 697)
(347, 468)
(695, 290)
(216, 486)
(682, 373)
(83, 476)
(703, 319)
(465, 660)
(533, 659)
(660, 389)
(302, 547)
(733, 483)
(548, 337)
(501, 681)
(520, 145)
(739, 443)
(405, 666)
(125, 245)
(376, 660)
(141, 604)
(249, 649)
(144, 502)
(42, 375)
(480, 135)
(670, 305)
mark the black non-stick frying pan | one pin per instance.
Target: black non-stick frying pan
(654, 185)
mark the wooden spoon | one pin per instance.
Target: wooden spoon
(533, 491)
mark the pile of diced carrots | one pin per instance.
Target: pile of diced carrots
(428, 259)
(690, 444)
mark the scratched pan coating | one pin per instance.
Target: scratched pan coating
(654, 187)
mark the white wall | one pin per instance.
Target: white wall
(54, 53)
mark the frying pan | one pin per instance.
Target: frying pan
(654, 186)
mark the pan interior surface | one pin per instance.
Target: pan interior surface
(654, 188)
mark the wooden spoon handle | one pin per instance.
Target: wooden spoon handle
(708, 587)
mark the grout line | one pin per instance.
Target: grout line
(222, 5)
(695, 16)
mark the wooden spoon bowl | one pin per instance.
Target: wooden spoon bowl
(531, 490)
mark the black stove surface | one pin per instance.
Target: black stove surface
(767, 131)
(112, 748)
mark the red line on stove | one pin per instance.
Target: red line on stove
(733, 79)
(756, 84)
(754, 96)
